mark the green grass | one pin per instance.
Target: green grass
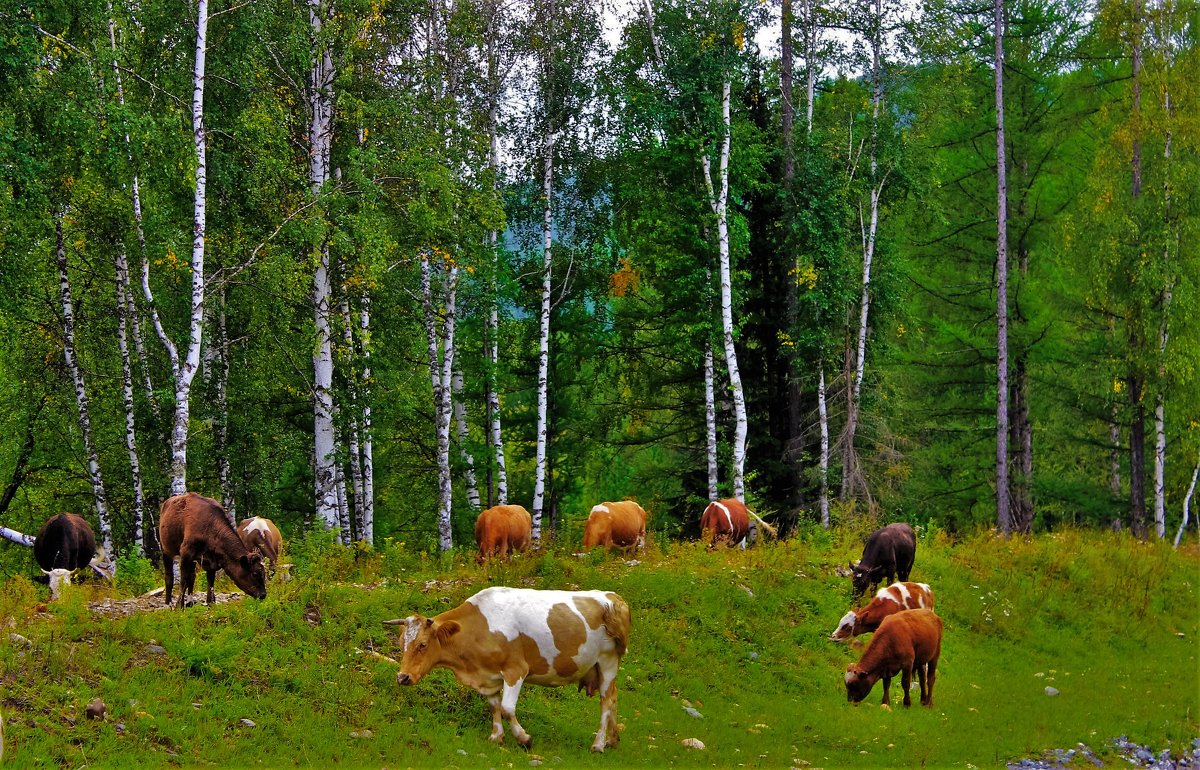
(740, 636)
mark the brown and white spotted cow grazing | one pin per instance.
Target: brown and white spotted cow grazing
(501, 530)
(261, 535)
(616, 525)
(196, 530)
(887, 601)
(906, 640)
(889, 553)
(725, 521)
(501, 638)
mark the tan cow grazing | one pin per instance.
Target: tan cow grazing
(196, 530)
(616, 525)
(261, 535)
(501, 638)
(889, 600)
(905, 640)
(725, 521)
(501, 530)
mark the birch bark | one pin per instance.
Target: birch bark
(353, 429)
(220, 375)
(539, 483)
(326, 476)
(81, 397)
(492, 331)
(135, 467)
(710, 420)
(367, 529)
(1003, 515)
(460, 419)
(1187, 505)
(186, 369)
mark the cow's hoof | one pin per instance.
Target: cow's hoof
(885, 707)
(597, 748)
(525, 742)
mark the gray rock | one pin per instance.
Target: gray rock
(156, 649)
(1051, 691)
(693, 712)
(247, 723)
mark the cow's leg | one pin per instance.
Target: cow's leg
(887, 686)
(169, 575)
(211, 574)
(608, 735)
(906, 682)
(930, 676)
(497, 735)
(921, 678)
(508, 708)
(187, 579)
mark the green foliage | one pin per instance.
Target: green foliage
(740, 636)
(135, 574)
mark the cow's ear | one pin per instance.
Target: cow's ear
(245, 561)
(428, 622)
(447, 630)
(851, 565)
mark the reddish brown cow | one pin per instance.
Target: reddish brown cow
(904, 641)
(616, 525)
(502, 638)
(261, 535)
(887, 601)
(196, 530)
(502, 529)
(725, 521)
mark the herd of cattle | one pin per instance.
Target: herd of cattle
(501, 638)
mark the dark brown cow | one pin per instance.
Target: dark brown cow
(66, 542)
(501, 530)
(196, 530)
(616, 525)
(904, 641)
(725, 521)
(502, 638)
(261, 535)
(889, 553)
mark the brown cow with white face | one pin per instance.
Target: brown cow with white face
(616, 525)
(261, 535)
(501, 530)
(907, 640)
(196, 530)
(887, 601)
(501, 638)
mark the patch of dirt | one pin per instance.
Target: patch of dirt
(151, 602)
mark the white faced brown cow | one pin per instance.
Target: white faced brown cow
(501, 638)
(887, 601)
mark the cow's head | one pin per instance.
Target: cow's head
(422, 644)
(103, 564)
(845, 628)
(58, 577)
(862, 577)
(248, 572)
(858, 683)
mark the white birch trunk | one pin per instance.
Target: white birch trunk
(460, 419)
(539, 484)
(135, 467)
(81, 398)
(13, 536)
(811, 38)
(1187, 505)
(354, 434)
(367, 530)
(445, 409)
(220, 374)
(1003, 515)
(1160, 433)
(710, 421)
(441, 414)
(719, 202)
(320, 98)
(186, 369)
(823, 462)
(495, 435)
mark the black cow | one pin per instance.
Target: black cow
(889, 553)
(65, 541)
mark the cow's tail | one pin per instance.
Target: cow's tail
(617, 621)
(772, 531)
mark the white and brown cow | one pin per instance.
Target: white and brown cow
(501, 638)
(260, 534)
(725, 521)
(887, 601)
(616, 525)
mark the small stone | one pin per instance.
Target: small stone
(96, 709)
(361, 734)
(535, 762)
(1051, 691)
(18, 639)
(461, 751)
(753, 656)
(156, 649)
(693, 743)
(119, 727)
(693, 712)
(196, 705)
(246, 723)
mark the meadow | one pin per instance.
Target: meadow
(739, 637)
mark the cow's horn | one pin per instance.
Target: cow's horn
(395, 622)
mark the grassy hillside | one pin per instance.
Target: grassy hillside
(739, 636)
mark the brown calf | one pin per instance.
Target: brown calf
(904, 641)
(501, 530)
(725, 521)
(196, 530)
(616, 525)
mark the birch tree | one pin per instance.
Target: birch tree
(81, 396)
(1003, 515)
